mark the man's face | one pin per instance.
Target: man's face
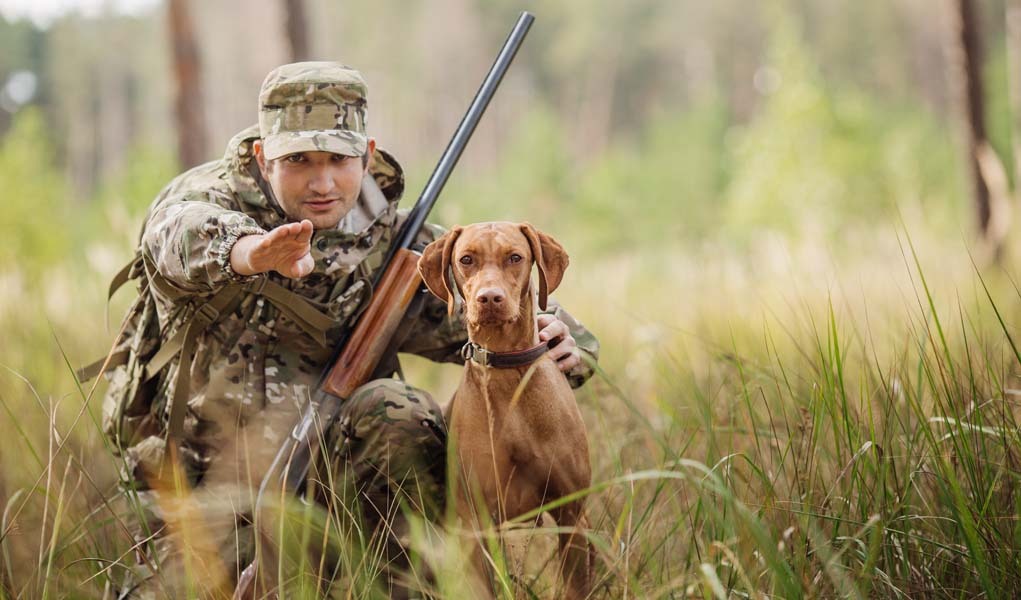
(319, 186)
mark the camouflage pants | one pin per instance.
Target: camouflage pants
(388, 446)
(391, 439)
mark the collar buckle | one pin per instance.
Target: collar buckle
(474, 352)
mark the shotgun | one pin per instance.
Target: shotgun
(358, 354)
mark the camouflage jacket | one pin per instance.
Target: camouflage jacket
(256, 355)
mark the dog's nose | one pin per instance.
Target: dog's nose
(494, 295)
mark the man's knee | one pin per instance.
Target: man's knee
(389, 424)
(393, 404)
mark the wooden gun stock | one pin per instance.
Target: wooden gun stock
(376, 327)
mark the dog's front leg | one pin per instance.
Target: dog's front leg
(577, 557)
(470, 524)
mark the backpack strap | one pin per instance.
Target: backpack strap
(312, 321)
(109, 361)
(123, 276)
(184, 342)
(114, 359)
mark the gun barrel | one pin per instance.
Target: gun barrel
(455, 148)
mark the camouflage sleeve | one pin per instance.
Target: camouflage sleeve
(188, 240)
(439, 337)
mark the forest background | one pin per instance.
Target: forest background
(789, 224)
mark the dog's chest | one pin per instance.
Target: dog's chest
(518, 439)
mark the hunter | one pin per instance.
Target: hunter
(249, 269)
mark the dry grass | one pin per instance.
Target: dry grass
(770, 422)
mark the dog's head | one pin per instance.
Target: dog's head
(490, 264)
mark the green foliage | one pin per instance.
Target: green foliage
(533, 177)
(817, 158)
(122, 200)
(665, 187)
(147, 169)
(36, 203)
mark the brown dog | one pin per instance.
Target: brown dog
(519, 436)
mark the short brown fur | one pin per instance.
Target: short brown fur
(517, 449)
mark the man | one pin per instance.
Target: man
(250, 268)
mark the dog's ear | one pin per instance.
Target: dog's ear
(434, 265)
(550, 257)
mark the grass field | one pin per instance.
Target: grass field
(782, 421)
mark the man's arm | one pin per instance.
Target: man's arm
(188, 241)
(286, 250)
(196, 246)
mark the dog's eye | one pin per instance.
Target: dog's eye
(515, 258)
(466, 260)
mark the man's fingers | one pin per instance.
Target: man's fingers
(566, 346)
(272, 237)
(292, 231)
(282, 234)
(557, 328)
(569, 360)
(289, 237)
(296, 269)
(304, 234)
(305, 265)
(565, 352)
(285, 250)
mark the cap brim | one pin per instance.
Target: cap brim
(337, 141)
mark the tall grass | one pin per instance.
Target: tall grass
(786, 425)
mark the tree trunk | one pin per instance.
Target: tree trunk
(297, 29)
(188, 105)
(1013, 35)
(989, 180)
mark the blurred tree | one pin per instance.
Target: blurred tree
(103, 101)
(236, 55)
(1013, 72)
(989, 181)
(188, 104)
(22, 48)
(297, 29)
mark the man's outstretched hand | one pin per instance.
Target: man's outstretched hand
(285, 250)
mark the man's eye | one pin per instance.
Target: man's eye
(515, 258)
(466, 260)
(295, 158)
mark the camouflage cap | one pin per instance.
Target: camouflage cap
(310, 106)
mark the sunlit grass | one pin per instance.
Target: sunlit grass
(777, 423)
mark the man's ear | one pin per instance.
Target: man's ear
(260, 158)
(435, 263)
(370, 154)
(550, 257)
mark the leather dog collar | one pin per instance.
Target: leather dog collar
(505, 360)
